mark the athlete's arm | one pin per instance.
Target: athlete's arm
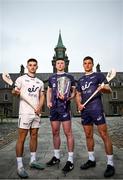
(17, 88)
(49, 95)
(78, 101)
(38, 109)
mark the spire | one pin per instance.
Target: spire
(60, 43)
(22, 69)
(60, 54)
(98, 68)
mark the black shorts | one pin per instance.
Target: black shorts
(57, 114)
(93, 117)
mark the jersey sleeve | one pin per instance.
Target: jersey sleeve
(49, 82)
(78, 86)
(42, 87)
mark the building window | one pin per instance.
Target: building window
(6, 85)
(113, 84)
(115, 109)
(5, 97)
(121, 83)
(114, 95)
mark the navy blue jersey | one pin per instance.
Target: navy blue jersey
(86, 85)
(52, 83)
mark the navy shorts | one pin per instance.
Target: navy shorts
(93, 117)
(57, 114)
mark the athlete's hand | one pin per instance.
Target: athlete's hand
(104, 88)
(101, 86)
(38, 110)
(69, 98)
(80, 107)
(16, 91)
(61, 96)
(49, 105)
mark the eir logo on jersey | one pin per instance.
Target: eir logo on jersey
(33, 89)
(86, 86)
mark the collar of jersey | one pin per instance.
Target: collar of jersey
(89, 74)
(60, 73)
(30, 76)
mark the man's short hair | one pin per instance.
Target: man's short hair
(88, 57)
(32, 60)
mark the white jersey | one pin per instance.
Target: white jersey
(31, 87)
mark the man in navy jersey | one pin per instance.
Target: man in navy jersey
(59, 106)
(93, 113)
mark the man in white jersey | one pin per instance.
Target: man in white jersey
(29, 119)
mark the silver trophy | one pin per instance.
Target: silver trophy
(63, 87)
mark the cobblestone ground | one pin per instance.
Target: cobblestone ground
(8, 131)
(115, 126)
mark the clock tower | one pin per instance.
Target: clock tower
(60, 53)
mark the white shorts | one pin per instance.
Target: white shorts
(29, 121)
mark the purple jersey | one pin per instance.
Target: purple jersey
(53, 84)
(87, 84)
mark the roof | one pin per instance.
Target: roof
(45, 76)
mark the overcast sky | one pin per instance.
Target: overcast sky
(30, 28)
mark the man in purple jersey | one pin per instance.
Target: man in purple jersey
(59, 105)
(93, 113)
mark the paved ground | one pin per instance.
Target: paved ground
(45, 152)
(8, 133)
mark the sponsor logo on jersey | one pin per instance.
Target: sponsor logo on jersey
(92, 77)
(26, 80)
(33, 89)
(37, 82)
(86, 86)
